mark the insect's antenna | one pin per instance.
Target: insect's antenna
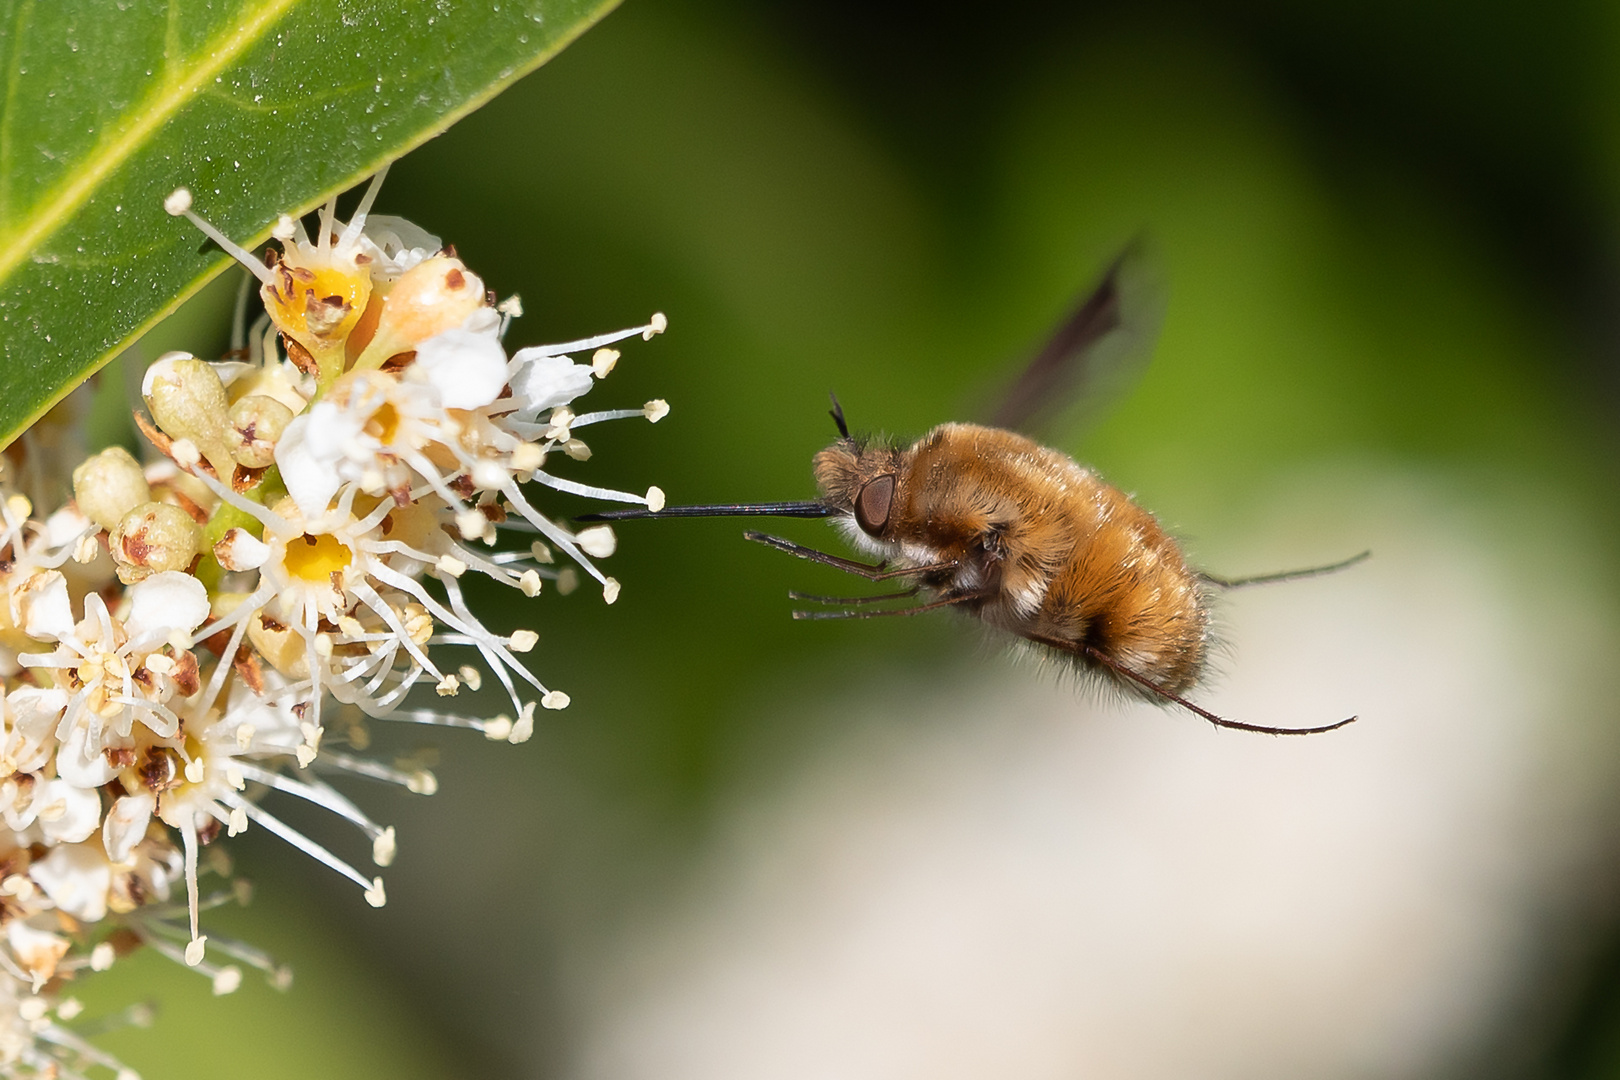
(1286, 575)
(782, 509)
(837, 413)
(1218, 721)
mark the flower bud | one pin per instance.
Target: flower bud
(256, 424)
(110, 485)
(280, 645)
(152, 538)
(436, 294)
(188, 401)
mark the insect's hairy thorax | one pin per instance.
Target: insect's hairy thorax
(995, 500)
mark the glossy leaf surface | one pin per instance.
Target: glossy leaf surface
(260, 107)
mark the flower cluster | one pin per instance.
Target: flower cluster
(186, 635)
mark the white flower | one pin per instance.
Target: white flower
(119, 672)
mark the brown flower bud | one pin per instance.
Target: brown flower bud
(152, 538)
(256, 425)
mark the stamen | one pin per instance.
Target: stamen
(321, 794)
(188, 836)
(419, 781)
(307, 846)
(328, 219)
(357, 223)
(179, 204)
(656, 325)
(590, 491)
(586, 419)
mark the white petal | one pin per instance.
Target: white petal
(544, 382)
(65, 525)
(310, 480)
(80, 762)
(400, 244)
(484, 320)
(334, 428)
(37, 950)
(231, 370)
(239, 549)
(166, 602)
(76, 877)
(126, 824)
(467, 369)
(46, 612)
(67, 814)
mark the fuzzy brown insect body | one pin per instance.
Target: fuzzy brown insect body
(1017, 534)
(1031, 542)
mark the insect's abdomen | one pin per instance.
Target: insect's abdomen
(1127, 592)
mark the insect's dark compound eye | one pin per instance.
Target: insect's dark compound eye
(872, 505)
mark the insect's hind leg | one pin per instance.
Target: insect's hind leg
(1219, 721)
(1286, 575)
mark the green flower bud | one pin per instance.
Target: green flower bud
(187, 400)
(110, 485)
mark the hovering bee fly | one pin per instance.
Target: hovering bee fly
(991, 523)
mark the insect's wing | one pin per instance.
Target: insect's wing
(1096, 354)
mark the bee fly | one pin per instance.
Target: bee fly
(991, 523)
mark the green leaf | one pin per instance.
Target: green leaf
(260, 107)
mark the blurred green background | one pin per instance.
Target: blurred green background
(1388, 235)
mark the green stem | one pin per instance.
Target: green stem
(267, 492)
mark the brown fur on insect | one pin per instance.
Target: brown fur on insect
(1032, 543)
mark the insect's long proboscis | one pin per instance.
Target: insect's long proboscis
(783, 509)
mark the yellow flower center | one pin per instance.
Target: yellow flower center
(384, 424)
(325, 302)
(317, 558)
